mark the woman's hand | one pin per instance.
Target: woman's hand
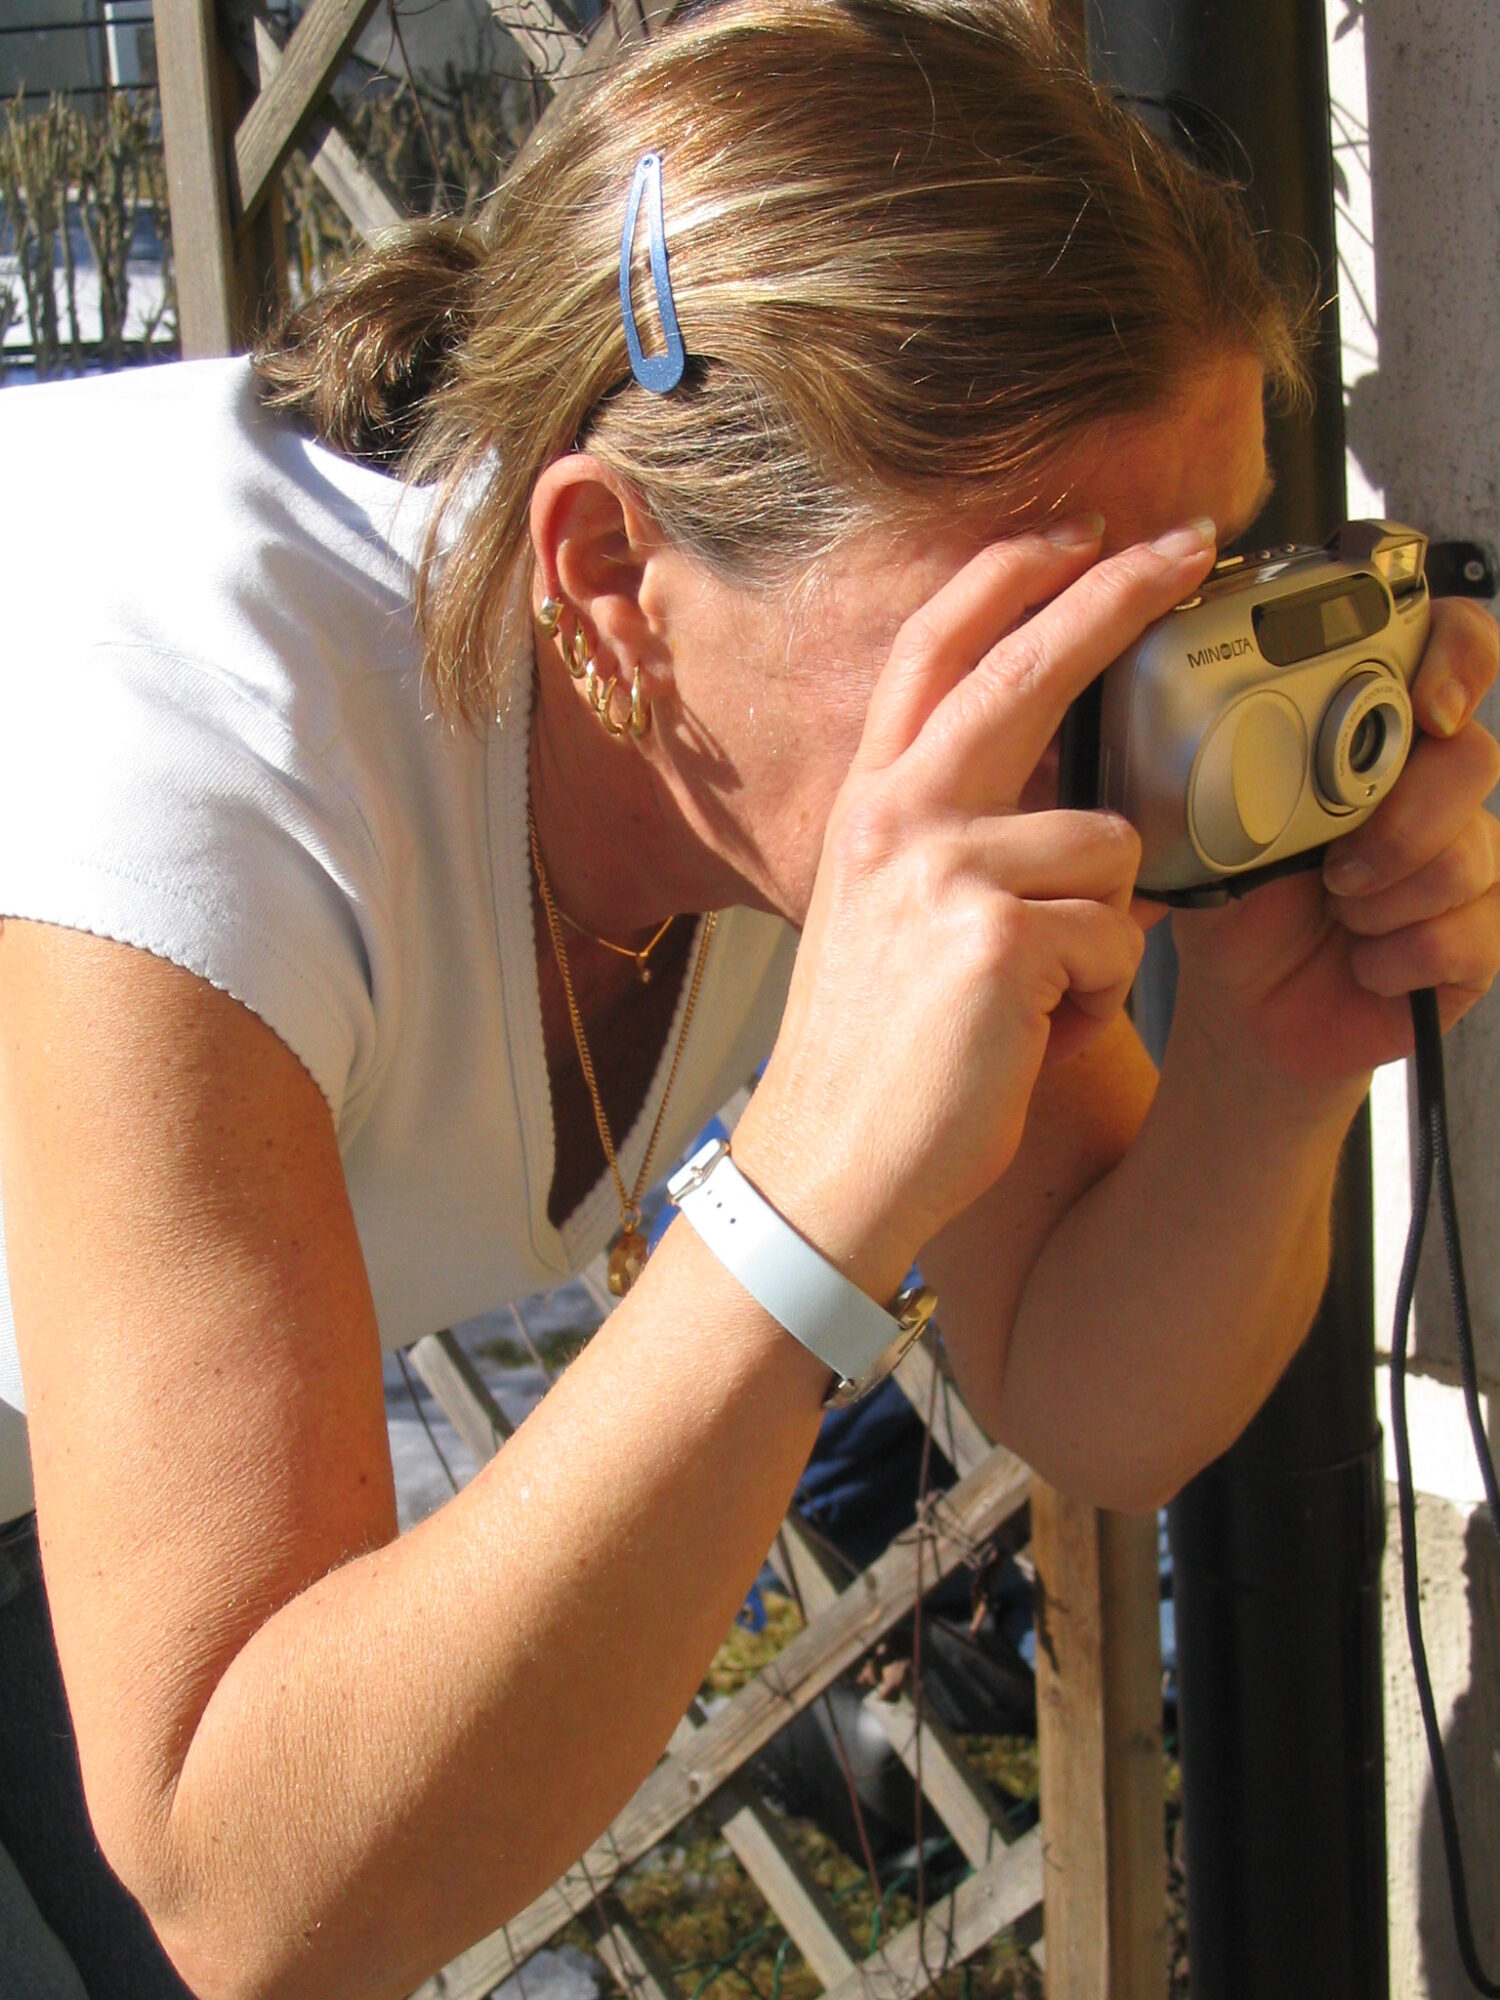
(1311, 975)
(952, 941)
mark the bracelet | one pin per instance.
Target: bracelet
(859, 1340)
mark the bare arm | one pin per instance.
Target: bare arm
(326, 1759)
(1124, 1299)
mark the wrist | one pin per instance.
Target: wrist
(838, 1213)
(1217, 1060)
(851, 1333)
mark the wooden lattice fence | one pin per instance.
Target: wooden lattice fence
(704, 1765)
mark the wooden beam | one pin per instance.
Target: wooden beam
(762, 1849)
(550, 44)
(617, 25)
(955, 1928)
(188, 70)
(462, 1394)
(270, 128)
(363, 197)
(1099, 1735)
(638, 1968)
(956, 1792)
(954, 1431)
(952, 1787)
(756, 1840)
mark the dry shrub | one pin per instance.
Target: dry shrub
(104, 169)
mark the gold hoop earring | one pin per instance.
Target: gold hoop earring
(601, 699)
(574, 647)
(640, 707)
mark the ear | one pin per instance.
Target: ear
(593, 543)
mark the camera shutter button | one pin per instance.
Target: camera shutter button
(1249, 777)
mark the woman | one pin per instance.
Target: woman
(972, 386)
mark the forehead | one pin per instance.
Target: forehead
(1203, 454)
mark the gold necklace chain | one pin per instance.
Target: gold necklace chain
(627, 1252)
(642, 969)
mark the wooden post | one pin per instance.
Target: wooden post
(188, 65)
(259, 241)
(1098, 1661)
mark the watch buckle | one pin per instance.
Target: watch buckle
(691, 1176)
(911, 1308)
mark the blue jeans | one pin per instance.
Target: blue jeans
(69, 1930)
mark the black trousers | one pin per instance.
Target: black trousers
(44, 1824)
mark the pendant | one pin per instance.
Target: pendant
(627, 1260)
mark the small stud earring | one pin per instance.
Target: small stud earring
(549, 616)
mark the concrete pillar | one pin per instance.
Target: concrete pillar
(1416, 90)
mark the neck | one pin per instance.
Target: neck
(619, 855)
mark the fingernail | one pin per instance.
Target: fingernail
(1448, 706)
(1076, 531)
(1346, 874)
(1189, 540)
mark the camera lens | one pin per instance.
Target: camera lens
(1362, 740)
(1367, 742)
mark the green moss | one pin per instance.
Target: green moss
(1010, 1762)
(743, 1653)
(713, 1927)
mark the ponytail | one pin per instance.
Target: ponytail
(357, 362)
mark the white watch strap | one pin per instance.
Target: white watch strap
(778, 1268)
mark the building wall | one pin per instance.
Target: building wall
(66, 51)
(1416, 90)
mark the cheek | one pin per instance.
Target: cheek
(810, 712)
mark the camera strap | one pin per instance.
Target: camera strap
(1433, 1160)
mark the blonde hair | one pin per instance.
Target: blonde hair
(914, 253)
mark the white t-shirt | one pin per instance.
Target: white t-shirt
(215, 744)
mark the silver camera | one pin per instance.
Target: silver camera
(1262, 718)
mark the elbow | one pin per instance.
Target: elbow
(229, 1937)
(214, 1959)
(213, 1965)
(1146, 1493)
(1143, 1490)
(1123, 1481)
(218, 1942)
(218, 1959)
(230, 1947)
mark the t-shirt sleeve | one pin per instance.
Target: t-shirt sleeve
(165, 804)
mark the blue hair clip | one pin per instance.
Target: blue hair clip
(657, 372)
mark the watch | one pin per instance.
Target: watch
(859, 1340)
